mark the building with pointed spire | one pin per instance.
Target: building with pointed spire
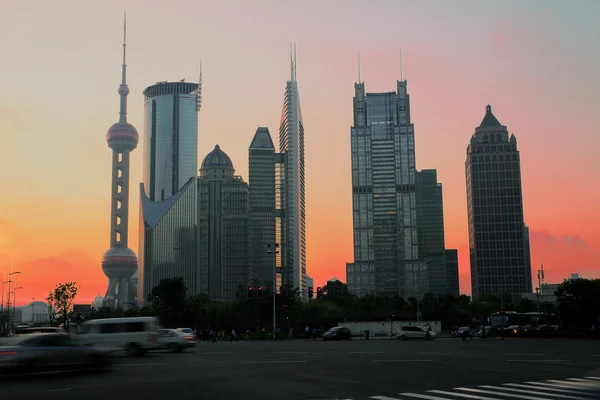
(120, 263)
(293, 185)
(498, 236)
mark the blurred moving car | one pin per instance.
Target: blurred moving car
(338, 333)
(416, 332)
(49, 352)
(464, 332)
(134, 335)
(174, 340)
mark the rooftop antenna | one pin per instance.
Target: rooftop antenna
(293, 61)
(123, 90)
(199, 90)
(359, 68)
(400, 64)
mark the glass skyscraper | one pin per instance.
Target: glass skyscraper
(170, 137)
(498, 237)
(386, 242)
(292, 187)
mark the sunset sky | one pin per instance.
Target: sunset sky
(535, 62)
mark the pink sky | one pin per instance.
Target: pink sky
(535, 62)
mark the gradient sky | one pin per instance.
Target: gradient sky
(535, 62)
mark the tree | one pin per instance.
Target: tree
(167, 299)
(61, 299)
(579, 302)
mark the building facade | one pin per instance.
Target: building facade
(222, 228)
(452, 277)
(292, 187)
(170, 137)
(499, 248)
(200, 233)
(262, 191)
(430, 223)
(386, 243)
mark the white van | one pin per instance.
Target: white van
(135, 335)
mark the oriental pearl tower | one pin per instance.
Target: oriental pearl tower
(120, 263)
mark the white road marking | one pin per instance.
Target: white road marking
(562, 396)
(577, 384)
(434, 353)
(497, 393)
(468, 396)
(592, 377)
(213, 352)
(557, 385)
(524, 354)
(383, 398)
(545, 388)
(538, 361)
(366, 352)
(290, 352)
(422, 396)
(59, 390)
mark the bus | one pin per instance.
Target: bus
(509, 318)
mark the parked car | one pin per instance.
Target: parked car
(338, 333)
(174, 340)
(415, 332)
(49, 352)
(134, 335)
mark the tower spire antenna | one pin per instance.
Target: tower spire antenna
(401, 78)
(199, 91)
(123, 89)
(293, 61)
(359, 68)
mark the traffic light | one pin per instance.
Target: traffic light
(250, 291)
(311, 292)
(319, 292)
(260, 291)
(393, 316)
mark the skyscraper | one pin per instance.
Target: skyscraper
(170, 136)
(262, 161)
(119, 263)
(452, 272)
(498, 243)
(386, 243)
(293, 219)
(222, 228)
(430, 223)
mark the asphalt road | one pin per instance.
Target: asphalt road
(357, 369)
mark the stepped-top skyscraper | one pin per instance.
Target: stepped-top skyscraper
(291, 146)
(120, 263)
(386, 243)
(498, 237)
(170, 136)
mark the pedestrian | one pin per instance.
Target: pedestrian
(212, 335)
(291, 335)
(233, 335)
(307, 333)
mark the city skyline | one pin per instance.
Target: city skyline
(52, 234)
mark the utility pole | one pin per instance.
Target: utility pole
(272, 249)
(540, 276)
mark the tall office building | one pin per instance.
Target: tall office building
(452, 272)
(120, 263)
(222, 228)
(293, 193)
(386, 242)
(498, 243)
(430, 223)
(170, 137)
(200, 233)
(262, 161)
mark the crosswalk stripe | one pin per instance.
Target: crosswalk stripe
(592, 377)
(579, 384)
(544, 388)
(572, 387)
(422, 396)
(562, 396)
(383, 398)
(468, 396)
(514, 396)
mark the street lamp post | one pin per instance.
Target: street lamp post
(32, 311)
(15, 304)
(11, 273)
(273, 250)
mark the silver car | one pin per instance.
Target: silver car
(49, 352)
